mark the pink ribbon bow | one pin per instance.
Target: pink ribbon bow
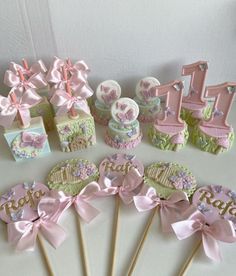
(170, 209)
(85, 210)
(128, 188)
(64, 101)
(23, 234)
(19, 82)
(17, 102)
(36, 68)
(32, 140)
(220, 230)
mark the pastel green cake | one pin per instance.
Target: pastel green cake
(186, 115)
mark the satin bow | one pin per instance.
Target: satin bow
(31, 140)
(85, 210)
(126, 190)
(64, 101)
(9, 106)
(37, 67)
(170, 209)
(220, 230)
(35, 81)
(23, 234)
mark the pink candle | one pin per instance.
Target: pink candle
(223, 95)
(197, 71)
(173, 92)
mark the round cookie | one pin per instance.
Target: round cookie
(116, 166)
(21, 201)
(145, 89)
(71, 176)
(216, 202)
(108, 92)
(167, 178)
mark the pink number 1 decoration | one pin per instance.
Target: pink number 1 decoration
(173, 92)
(224, 94)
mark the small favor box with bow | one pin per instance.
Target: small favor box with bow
(69, 93)
(27, 143)
(75, 134)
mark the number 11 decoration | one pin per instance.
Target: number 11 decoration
(194, 105)
(215, 135)
(169, 132)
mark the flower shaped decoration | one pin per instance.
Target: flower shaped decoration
(181, 180)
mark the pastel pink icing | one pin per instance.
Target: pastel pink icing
(125, 145)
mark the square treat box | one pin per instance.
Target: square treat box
(27, 143)
(75, 133)
(44, 109)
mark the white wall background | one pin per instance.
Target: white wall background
(123, 39)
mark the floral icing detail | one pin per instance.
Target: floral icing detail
(8, 195)
(182, 180)
(203, 208)
(84, 170)
(17, 215)
(65, 130)
(129, 157)
(216, 189)
(132, 132)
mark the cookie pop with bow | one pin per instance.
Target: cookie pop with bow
(31, 214)
(167, 188)
(121, 175)
(75, 183)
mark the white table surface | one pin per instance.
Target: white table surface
(162, 255)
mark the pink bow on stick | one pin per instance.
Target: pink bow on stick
(23, 234)
(85, 210)
(36, 68)
(32, 140)
(16, 102)
(127, 189)
(220, 230)
(170, 209)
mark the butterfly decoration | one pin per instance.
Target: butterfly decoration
(118, 139)
(231, 89)
(113, 157)
(147, 94)
(32, 140)
(217, 113)
(83, 128)
(29, 186)
(18, 215)
(216, 189)
(132, 132)
(168, 111)
(129, 157)
(121, 106)
(203, 66)
(127, 116)
(105, 89)
(232, 195)
(8, 195)
(144, 84)
(64, 144)
(110, 98)
(203, 208)
(193, 91)
(178, 86)
(65, 130)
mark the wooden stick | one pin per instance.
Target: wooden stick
(189, 260)
(18, 116)
(84, 257)
(73, 112)
(114, 236)
(25, 64)
(45, 256)
(141, 242)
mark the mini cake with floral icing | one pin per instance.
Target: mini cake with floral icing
(123, 129)
(166, 178)
(106, 94)
(148, 102)
(71, 176)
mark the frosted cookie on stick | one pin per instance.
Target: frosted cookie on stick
(216, 135)
(194, 106)
(170, 132)
(123, 131)
(148, 102)
(107, 93)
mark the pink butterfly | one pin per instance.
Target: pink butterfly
(32, 140)
(150, 93)
(169, 112)
(105, 88)
(110, 98)
(121, 106)
(129, 115)
(144, 84)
